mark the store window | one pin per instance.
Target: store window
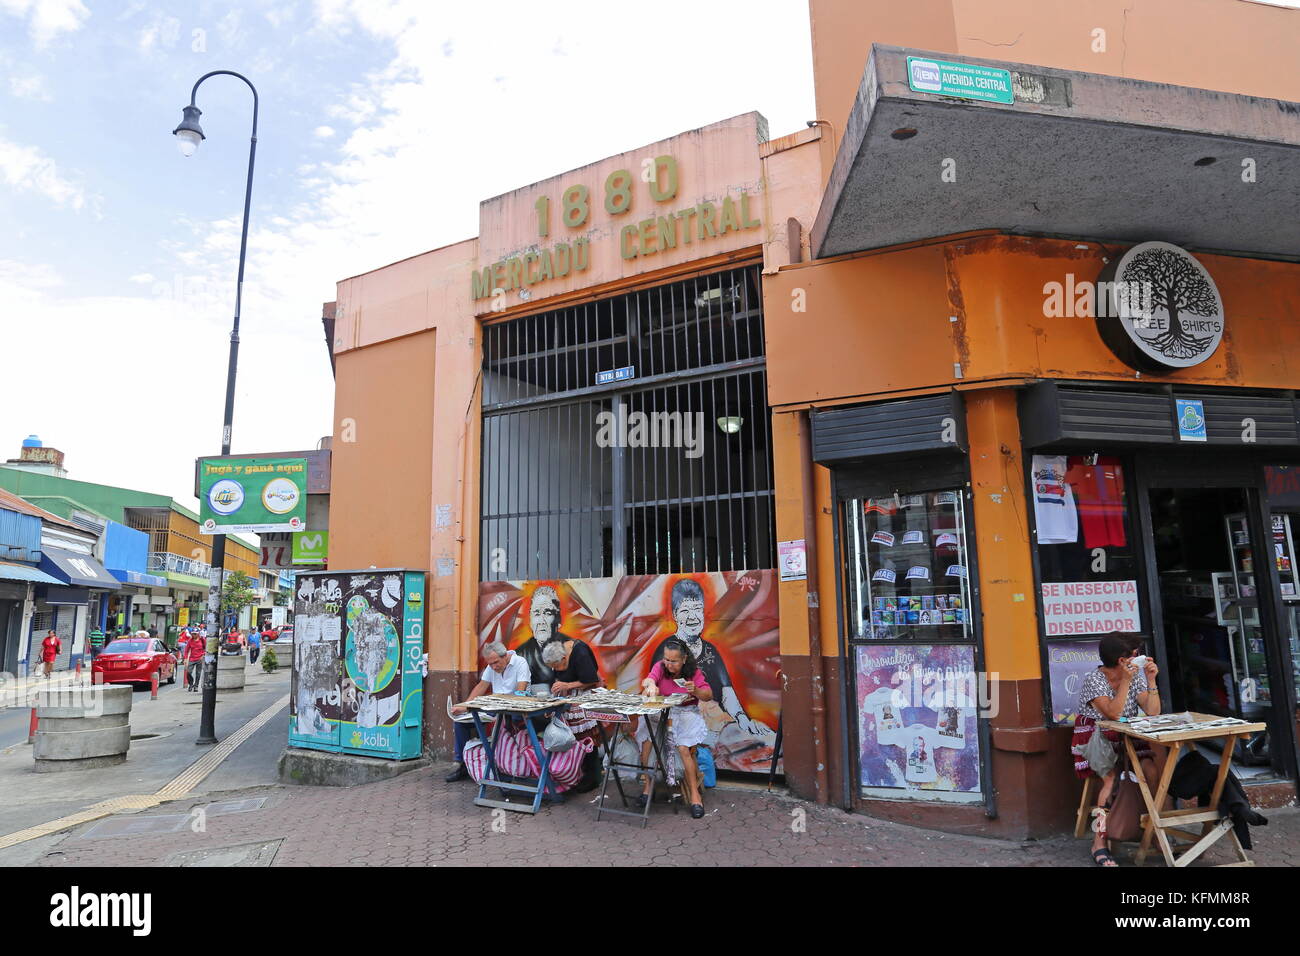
(910, 618)
(1087, 565)
(908, 578)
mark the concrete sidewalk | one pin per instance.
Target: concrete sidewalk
(418, 820)
(167, 728)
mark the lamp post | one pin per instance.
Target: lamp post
(188, 137)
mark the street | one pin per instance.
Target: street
(416, 819)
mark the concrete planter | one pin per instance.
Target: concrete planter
(230, 671)
(81, 728)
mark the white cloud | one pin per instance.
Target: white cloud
(27, 168)
(47, 18)
(30, 87)
(24, 277)
(324, 132)
(143, 278)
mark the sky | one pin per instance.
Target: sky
(382, 125)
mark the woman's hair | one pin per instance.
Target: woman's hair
(1114, 646)
(554, 652)
(688, 659)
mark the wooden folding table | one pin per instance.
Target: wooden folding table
(1165, 826)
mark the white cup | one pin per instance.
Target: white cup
(1140, 662)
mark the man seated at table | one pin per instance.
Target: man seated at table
(506, 673)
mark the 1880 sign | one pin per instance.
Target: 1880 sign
(1164, 312)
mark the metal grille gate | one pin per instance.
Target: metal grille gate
(652, 407)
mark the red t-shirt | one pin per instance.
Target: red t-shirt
(196, 649)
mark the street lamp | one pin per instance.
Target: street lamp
(188, 137)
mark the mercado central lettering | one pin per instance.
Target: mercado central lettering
(646, 237)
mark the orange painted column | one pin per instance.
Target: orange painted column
(1002, 544)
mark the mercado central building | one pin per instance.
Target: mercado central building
(995, 356)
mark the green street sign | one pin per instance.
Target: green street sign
(252, 494)
(958, 79)
(310, 547)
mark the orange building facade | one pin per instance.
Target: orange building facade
(865, 444)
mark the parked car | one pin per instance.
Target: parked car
(134, 660)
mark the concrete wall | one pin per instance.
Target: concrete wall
(1227, 45)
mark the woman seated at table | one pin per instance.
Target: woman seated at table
(574, 666)
(1118, 688)
(576, 671)
(677, 673)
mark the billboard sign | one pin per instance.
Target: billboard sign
(252, 494)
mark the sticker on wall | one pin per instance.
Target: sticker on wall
(793, 560)
(1191, 419)
(883, 538)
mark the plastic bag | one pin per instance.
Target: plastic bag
(708, 772)
(558, 737)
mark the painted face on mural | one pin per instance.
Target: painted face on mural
(544, 618)
(690, 619)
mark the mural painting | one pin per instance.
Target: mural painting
(728, 619)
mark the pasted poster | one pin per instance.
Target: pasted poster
(728, 619)
(917, 713)
(1068, 663)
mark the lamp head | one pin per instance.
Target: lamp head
(189, 134)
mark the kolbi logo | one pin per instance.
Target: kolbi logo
(226, 496)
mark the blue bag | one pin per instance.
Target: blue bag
(708, 772)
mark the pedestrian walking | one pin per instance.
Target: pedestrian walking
(50, 648)
(96, 643)
(194, 658)
(254, 646)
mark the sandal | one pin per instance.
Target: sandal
(1102, 857)
(697, 810)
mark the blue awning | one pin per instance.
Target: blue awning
(138, 577)
(77, 570)
(25, 572)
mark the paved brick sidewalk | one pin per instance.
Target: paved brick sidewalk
(418, 820)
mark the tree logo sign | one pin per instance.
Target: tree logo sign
(1165, 311)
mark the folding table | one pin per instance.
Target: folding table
(1167, 825)
(657, 768)
(527, 710)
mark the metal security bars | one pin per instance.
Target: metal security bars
(651, 407)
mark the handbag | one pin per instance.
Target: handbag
(557, 738)
(1124, 816)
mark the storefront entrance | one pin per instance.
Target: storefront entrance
(1219, 653)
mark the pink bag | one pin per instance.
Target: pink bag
(514, 756)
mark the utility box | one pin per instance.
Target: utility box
(358, 642)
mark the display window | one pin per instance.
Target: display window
(1087, 565)
(910, 624)
(908, 570)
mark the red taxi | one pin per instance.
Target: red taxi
(134, 660)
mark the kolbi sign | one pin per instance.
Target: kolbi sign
(252, 494)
